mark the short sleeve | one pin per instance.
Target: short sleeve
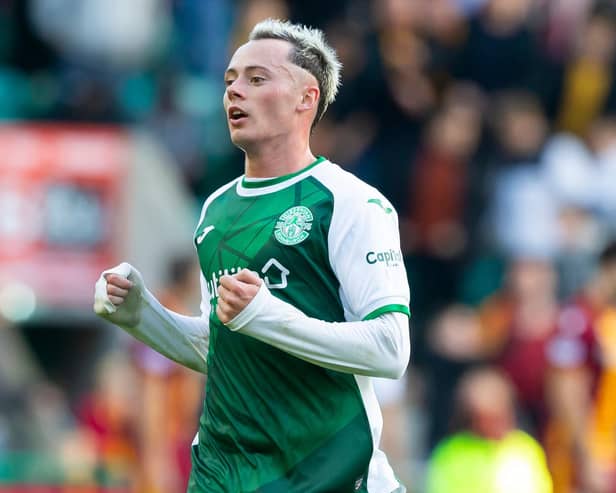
(364, 250)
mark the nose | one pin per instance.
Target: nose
(234, 91)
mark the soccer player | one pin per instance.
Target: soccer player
(305, 295)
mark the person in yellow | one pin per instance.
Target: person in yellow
(601, 427)
(489, 454)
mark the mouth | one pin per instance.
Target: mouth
(236, 115)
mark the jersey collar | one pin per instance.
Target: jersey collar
(252, 186)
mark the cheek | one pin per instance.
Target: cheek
(279, 104)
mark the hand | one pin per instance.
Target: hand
(118, 288)
(235, 293)
(117, 295)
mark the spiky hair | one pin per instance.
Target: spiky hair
(310, 52)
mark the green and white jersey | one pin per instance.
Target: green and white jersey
(327, 243)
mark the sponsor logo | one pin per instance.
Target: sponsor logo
(387, 210)
(275, 270)
(293, 225)
(212, 282)
(274, 276)
(204, 233)
(391, 258)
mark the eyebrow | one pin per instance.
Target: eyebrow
(232, 70)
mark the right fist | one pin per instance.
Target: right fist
(117, 295)
(117, 288)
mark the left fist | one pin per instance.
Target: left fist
(235, 293)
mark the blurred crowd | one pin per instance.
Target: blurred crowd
(491, 126)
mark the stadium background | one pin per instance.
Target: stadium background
(488, 123)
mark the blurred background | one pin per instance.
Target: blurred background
(491, 126)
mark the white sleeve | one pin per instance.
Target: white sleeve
(364, 250)
(378, 347)
(180, 338)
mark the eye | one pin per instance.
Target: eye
(228, 82)
(256, 79)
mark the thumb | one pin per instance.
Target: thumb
(249, 277)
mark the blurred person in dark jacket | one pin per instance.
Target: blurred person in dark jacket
(501, 50)
(437, 221)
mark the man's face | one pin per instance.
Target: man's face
(264, 92)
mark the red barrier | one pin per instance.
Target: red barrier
(59, 489)
(60, 189)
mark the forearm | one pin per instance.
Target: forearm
(180, 338)
(379, 347)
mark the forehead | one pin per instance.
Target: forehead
(268, 53)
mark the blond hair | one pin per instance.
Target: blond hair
(310, 52)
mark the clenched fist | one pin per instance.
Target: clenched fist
(235, 292)
(117, 295)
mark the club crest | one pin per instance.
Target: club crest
(293, 225)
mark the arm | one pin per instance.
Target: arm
(364, 253)
(569, 353)
(379, 347)
(568, 397)
(569, 393)
(122, 298)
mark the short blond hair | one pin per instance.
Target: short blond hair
(310, 52)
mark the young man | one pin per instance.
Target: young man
(305, 295)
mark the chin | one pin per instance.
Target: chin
(241, 140)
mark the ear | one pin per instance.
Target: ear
(310, 98)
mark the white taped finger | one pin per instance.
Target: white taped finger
(102, 303)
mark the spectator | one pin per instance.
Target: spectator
(516, 324)
(602, 138)
(487, 453)
(501, 51)
(107, 418)
(580, 388)
(587, 87)
(454, 341)
(523, 211)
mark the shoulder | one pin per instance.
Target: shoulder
(221, 190)
(349, 191)
(522, 442)
(216, 194)
(456, 446)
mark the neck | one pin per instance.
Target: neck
(277, 158)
